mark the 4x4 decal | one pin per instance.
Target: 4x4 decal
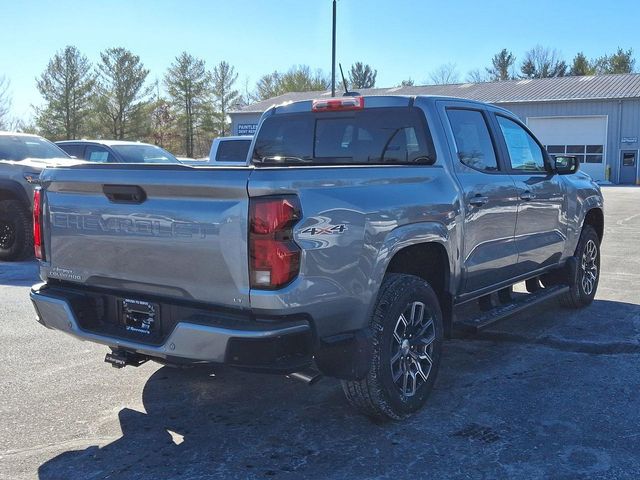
(326, 230)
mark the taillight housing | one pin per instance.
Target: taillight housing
(38, 241)
(274, 257)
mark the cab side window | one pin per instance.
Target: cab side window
(74, 150)
(473, 141)
(524, 152)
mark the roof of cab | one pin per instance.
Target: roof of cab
(373, 101)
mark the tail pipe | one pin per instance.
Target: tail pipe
(310, 377)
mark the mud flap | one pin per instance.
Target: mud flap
(572, 270)
(346, 356)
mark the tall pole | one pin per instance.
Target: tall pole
(333, 54)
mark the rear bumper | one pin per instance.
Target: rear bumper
(283, 346)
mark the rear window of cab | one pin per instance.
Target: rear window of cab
(371, 136)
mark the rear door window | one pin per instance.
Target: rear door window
(473, 142)
(370, 136)
(95, 153)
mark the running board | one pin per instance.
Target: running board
(503, 311)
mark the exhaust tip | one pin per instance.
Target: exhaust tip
(310, 377)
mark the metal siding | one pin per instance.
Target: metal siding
(581, 108)
(630, 128)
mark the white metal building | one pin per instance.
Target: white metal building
(596, 118)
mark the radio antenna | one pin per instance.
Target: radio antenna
(344, 82)
(347, 93)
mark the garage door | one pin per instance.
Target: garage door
(583, 137)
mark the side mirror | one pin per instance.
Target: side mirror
(564, 165)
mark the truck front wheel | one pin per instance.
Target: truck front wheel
(16, 240)
(586, 275)
(407, 336)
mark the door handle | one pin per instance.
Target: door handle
(527, 196)
(124, 193)
(478, 200)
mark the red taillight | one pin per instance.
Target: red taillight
(274, 258)
(37, 224)
(338, 104)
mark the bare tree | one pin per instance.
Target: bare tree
(162, 130)
(542, 62)
(445, 74)
(407, 83)
(224, 77)
(246, 97)
(5, 102)
(476, 76)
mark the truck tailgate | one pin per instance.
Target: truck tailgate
(169, 231)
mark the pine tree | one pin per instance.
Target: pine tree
(67, 88)
(122, 94)
(581, 66)
(502, 66)
(362, 76)
(296, 79)
(189, 86)
(620, 62)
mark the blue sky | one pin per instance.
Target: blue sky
(400, 38)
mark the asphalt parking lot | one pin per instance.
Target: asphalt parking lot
(549, 394)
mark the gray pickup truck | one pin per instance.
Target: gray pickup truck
(345, 247)
(22, 158)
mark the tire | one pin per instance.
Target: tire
(584, 284)
(401, 349)
(16, 239)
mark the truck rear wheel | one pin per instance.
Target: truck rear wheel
(407, 344)
(585, 278)
(16, 240)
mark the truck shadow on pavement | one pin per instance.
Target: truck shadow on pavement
(231, 425)
(494, 399)
(19, 274)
